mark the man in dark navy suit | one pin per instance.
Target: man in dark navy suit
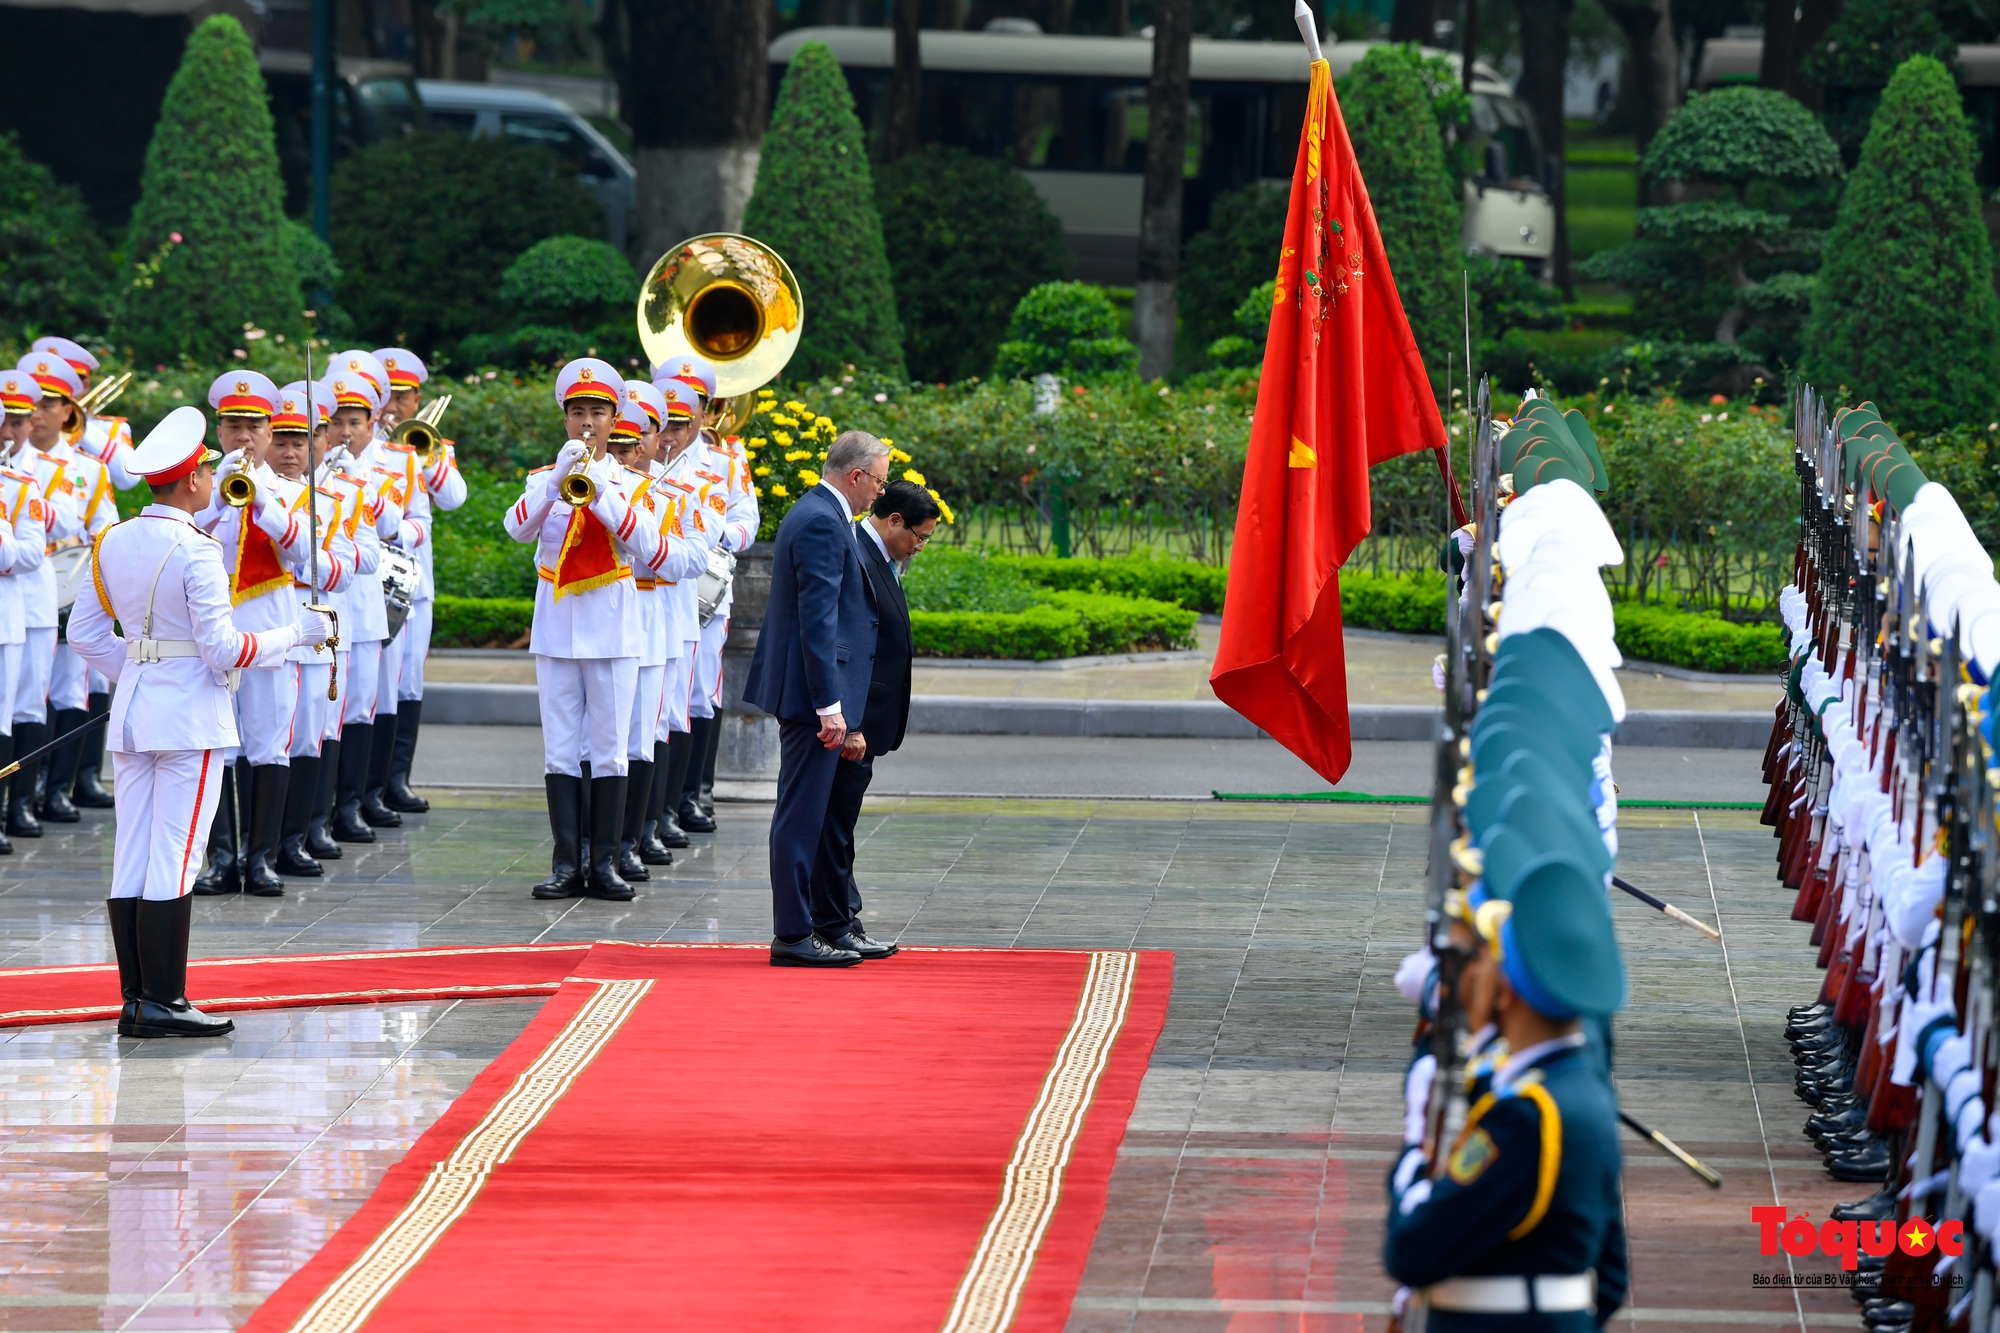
(905, 517)
(814, 659)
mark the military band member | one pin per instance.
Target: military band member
(587, 637)
(1523, 1230)
(681, 510)
(429, 489)
(25, 518)
(266, 546)
(54, 411)
(632, 439)
(106, 439)
(161, 579)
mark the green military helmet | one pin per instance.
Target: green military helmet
(1492, 744)
(1567, 709)
(1900, 484)
(1523, 768)
(1547, 659)
(1562, 426)
(1504, 854)
(1559, 819)
(1558, 949)
(1534, 468)
(1586, 440)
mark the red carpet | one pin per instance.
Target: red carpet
(87, 993)
(688, 1138)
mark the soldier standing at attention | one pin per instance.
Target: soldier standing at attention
(587, 637)
(1523, 1231)
(427, 488)
(161, 579)
(26, 516)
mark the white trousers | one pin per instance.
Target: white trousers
(646, 704)
(31, 689)
(166, 801)
(71, 683)
(674, 695)
(362, 671)
(336, 708)
(586, 712)
(707, 695)
(416, 637)
(267, 705)
(389, 675)
(314, 713)
(11, 655)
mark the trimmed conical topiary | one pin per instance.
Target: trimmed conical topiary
(207, 241)
(815, 204)
(1401, 154)
(1903, 311)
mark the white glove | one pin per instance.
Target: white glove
(315, 628)
(572, 454)
(1413, 972)
(1417, 1098)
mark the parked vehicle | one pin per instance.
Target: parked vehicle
(372, 100)
(1070, 112)
(480, 109)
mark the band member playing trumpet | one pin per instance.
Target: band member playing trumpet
(588, 637)
(104, 438)
(23, 552)
(156, 620)
(259, 517)
(432, 484)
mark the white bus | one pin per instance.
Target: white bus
(1070, 112)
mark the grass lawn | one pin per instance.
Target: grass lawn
(1603, 192)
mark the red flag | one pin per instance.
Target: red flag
(1343, 388)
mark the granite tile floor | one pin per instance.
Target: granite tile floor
(159, 1186)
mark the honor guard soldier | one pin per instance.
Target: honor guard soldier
(680, 512)
(368, 500)
(25, 547)
(54, 411)
(634, 443)
(161, 578)
(431, 486)
(1523, 1228)
(106, 439)
(587, 637)
(259, 519)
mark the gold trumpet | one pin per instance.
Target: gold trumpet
(238, 489)
(421, 431)
(102, 394)
(576, 487)
(729, 298)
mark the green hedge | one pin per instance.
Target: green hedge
(1405, 603)
(481, 622)
(1069, 624)
(1187, 583)
(1698, 642)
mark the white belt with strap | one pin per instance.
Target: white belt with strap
(1549, 1293)
(155, 650)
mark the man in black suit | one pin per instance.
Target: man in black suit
(905, 517)
(811, 669)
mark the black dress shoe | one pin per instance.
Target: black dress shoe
(671, 834)
(692, 820)
(812, 951)
(57, 808)
(1888, 1313)
(293, 859)
(856, 940)
(630, 865)
(652, 851)
(319, 843)
(1806, 1027)
(376, 814)
(1876, 1207)
(1810, 1010)
(21, 821)
(347, 825)
(1871, 1163)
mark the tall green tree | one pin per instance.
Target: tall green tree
(55, 272)
(211, 180)
(815, 204)
(1401, 153)
(1904, 310)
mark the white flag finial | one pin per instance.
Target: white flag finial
(1308, 27)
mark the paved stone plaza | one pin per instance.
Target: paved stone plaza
(1248, 1194)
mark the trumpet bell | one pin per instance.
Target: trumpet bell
(577, 490)
(238, 489)
(419, 435)
(733, 413)
(728, 298)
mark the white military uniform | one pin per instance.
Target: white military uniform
(723, 485)
(70, 682)
(55, 377)
(172, 717)
(426, 492)
(25, 546)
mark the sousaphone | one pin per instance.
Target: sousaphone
(730, 299)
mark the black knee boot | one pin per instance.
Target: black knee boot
(705, 790)
(381, 753)
(397, 795)
(268, 785)
(21, 821)
(607, 812)
(164, 1010)
(56, 806)
(667, 804)
(293, 858)
(88, 791)
(347, 825)
(638, 793)
(652, 851)
(125, 944)
(565, 794)
(687, 809)
(319, 842)
(6, 758)
(219, 871)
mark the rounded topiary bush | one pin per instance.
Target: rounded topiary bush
(1065, 328)
(422, 263)
(1903, 310)
(815, 204)
(967, 236)
(208, 237)
(569, 279)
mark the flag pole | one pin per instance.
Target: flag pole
(1308, 28)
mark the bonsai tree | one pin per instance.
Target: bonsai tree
(1065, 328)
(1394, 126)
(1735, 252)
(207, 239)
(967, 237)
(815, 205)
(1904, 310)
